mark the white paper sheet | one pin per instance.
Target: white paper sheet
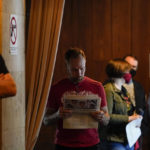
(133, 131)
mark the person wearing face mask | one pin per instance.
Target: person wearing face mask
(120, 107)
(137, 95)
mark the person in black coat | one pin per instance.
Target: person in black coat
(137, 95)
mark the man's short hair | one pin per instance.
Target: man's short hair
(74, 53)
(117, 67)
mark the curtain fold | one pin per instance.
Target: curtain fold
(42, 44)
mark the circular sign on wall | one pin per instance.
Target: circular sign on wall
(13, 34)
(13, 30)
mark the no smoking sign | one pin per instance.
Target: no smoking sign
(13, 34)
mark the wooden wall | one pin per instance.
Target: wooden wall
(105, 29)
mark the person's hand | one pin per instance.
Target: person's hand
(134, 117)
(52, 116)
(64, 113)
(101, 117)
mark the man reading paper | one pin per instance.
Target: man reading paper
(80, 85)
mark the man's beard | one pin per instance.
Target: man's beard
(76, 80)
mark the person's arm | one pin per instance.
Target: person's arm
(114, 117)
(106, 116)
(7, 85)
(52, 115)
(102, 116)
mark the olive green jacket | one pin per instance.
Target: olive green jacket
(117, 107)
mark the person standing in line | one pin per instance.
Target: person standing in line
(120, 107)
(137, 95)
(76, 84)
(7, 83)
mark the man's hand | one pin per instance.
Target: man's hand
(101, 116)
(53, 115)
(64, 113)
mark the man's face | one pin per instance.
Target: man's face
(76, 69)
(132, 62)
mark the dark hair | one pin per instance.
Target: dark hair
(74, 53)
(116, 68)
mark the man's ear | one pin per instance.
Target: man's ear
(67, 67)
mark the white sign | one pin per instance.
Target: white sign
(13, 34)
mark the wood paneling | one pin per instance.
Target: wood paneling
(101, 30)
(141, 39)
(121, 27)
(106, 29)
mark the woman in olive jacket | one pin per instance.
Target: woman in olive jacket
(120, 107)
